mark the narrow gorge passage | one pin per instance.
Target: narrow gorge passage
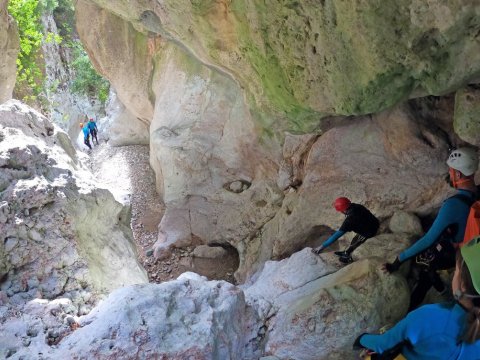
(126, 172)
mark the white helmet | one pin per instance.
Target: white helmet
(464, 160)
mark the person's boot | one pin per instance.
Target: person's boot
(340, 253)
(346, 259)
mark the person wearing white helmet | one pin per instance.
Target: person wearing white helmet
(435, 250)
(438, 331)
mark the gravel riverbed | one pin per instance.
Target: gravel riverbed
(126, 172)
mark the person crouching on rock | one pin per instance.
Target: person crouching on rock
(86, 135)
(359, 220)
(438, 331)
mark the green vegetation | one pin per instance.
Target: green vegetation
(29, 74)
(87, 80)
(30, 85)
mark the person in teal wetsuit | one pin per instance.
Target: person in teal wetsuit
(86, 135)
(92, 127)
(435, 250)
(438, 331)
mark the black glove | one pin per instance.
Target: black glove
(318, 250)
(392, 267)
(356, 344)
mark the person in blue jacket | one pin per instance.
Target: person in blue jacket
(86, 135)
(435, 250)
(438, 331)
(92, 127)
(357, 219)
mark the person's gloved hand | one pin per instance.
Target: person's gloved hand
(391, 267)
(318, 250)
(356, 344)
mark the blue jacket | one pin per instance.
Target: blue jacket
(454, 211)
(92, 125)
(86, 132)
(432, 331)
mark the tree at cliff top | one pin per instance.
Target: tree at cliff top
(88, 81)
(29, 73)
(30, 86)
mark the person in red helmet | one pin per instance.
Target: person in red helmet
(359, 220)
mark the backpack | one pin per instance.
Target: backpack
(472, 228)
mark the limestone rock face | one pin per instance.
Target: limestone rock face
(201, 124)
(387, 161)
(404, 222)
(225, 79)
(303, 307)
(120, 127)
(315, 312)
(121, 54)
(306, 59)
(59, 234)
(9, 46)
(186, 318)
(467, 114)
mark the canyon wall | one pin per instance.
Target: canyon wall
(9, 46)
(246, 103)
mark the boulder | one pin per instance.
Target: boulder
(324, 311)
(467, 114)
(209, 252)
(324, 307)
(186, 318)
(385, 245)
(405, 222)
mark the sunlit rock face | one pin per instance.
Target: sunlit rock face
(9, 46)
(65, 108)
(63, 242)
(59, 233)
(121, 54)
(302, 307)
(188, 318)
(120, 127)
(313, 312)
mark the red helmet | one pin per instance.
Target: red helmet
(341, 204)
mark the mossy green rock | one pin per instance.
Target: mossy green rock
(302, 60)
(467, 114)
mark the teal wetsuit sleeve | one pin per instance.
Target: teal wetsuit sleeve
(442, 221)
(414, 331)
(407, 330)
(333, 238)
(384, 342)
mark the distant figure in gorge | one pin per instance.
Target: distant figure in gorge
(92, 126)
(86, 135)
(359, 220)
